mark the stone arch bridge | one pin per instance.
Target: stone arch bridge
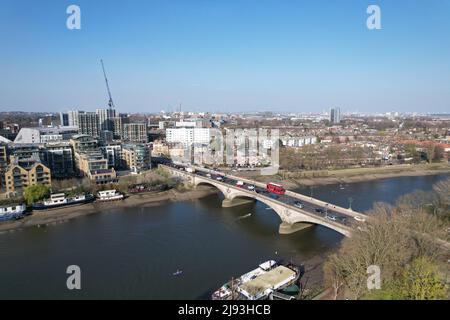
(292, 218)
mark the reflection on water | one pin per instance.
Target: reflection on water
(133, 253)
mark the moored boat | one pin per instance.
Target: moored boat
(58, 200)
(259, 283)
(12, 212)
(109, 195)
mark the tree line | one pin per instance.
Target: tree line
(403, 240)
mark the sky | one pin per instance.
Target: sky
(226, 55)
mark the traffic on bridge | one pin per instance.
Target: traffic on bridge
(331, 213)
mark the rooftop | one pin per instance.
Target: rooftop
(271, 279)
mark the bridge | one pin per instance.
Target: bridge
(295, 210)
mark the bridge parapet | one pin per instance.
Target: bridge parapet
(344, 211)
(288, 214)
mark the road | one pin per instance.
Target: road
(326, 211)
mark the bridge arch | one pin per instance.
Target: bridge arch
(290, 217)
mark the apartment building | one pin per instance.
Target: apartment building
(136, 157)
(135, 132)
(24, 173)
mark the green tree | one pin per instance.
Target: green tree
(421, 281)
(35, 193)
(389, 291)
(391, 239)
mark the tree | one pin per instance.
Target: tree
(439, 152)
(334, 274)
(390, 239)
(430, 151)
(421, 281)
(36, 193)
(442, 189)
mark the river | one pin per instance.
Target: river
(133, 253)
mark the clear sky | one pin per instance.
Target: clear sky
(226, 55)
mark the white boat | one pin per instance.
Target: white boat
(59, 200)
(12, 212)
(56, 199)
(109, 195)
(259, 283)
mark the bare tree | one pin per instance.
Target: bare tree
(334, 274)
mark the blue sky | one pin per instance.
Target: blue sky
(217, 55)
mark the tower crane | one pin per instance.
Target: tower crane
(110, 102)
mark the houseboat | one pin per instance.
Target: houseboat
(109, 195)
(60, 200)
(12, 212)
(260, 283)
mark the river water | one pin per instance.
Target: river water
(133, 253)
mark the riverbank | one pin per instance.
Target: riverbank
(60, 215)
(326, 177)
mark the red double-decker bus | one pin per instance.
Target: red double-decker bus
(275, 188)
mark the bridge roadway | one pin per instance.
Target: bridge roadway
(295, 210)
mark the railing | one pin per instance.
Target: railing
(290, 193)
(257, 196)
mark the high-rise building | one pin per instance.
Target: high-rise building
(106, 118)
(58, 157)
(136, 157)
(64, 119)
(119, 123)
(72, 117)
(113, 153)
(88, 124)
(188, 136)
(135, 132)
(335, 115)
(3, 156)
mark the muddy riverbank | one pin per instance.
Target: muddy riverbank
(59, 215)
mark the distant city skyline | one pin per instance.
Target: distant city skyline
(226, 56)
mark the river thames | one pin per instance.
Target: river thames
(133, 253)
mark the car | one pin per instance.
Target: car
(332, 217)
(274, 196)
(298, 204)
(219, 178)
(359, 219)
(319, 210)
(251, 187)
(240, 184)
(208, 175)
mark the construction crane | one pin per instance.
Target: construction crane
(110, 102)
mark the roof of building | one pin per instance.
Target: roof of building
(4, 140)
